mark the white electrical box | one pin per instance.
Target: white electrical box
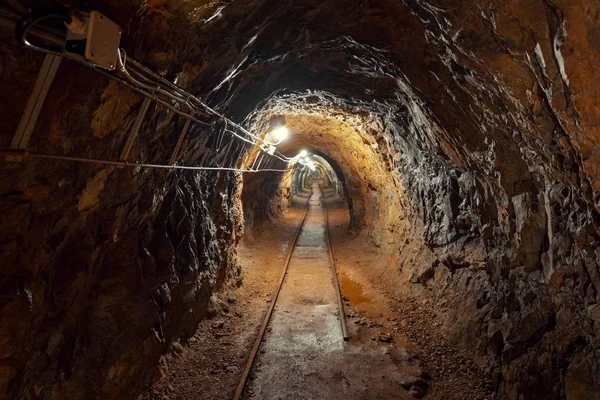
(102, 42)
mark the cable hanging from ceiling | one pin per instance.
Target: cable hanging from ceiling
(93, 40)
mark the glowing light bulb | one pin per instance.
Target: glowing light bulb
(306, 159)
(279, 134)
(303, 154)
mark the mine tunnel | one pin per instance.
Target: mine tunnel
(333, 199)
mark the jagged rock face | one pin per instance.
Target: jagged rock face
(486, 112)
(103, 268)
(486, 126)
(265, 196)
(352, 150)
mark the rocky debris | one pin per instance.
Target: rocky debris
(448, 367)
(368, 323)
(205, 362)
(415, 386)
(399, 321)
(177, 348)
(385, 337)
(218, 324)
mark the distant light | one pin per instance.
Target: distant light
(303, 153)
(279, 134)
(306, 159)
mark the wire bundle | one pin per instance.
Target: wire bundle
(138, 77)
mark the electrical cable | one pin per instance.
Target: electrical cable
(151, 87)
(10, 20)
(123, 61)
(35, 17)
(27, 154)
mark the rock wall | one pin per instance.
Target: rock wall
(265, 196)
(467, 133)
(484, 120)
(104, 268)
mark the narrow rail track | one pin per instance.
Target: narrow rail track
(263, 329)
(334, 274)
(242, 384)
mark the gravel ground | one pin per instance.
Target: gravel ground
(397, 340)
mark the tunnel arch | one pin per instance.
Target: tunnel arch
(463, 173)
(324, 170)
(346, 142)
(479, 147)
(336, 174)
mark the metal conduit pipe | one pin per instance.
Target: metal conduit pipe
(149, 88)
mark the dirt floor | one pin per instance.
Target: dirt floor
(210, 364)
(394, 351)
(376, 309)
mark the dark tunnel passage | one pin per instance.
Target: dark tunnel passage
(319, 171)
(441, 154)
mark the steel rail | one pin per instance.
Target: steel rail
(336, 281)
(242, 384)
(27, 154)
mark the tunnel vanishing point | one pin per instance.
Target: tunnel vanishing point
(163, 161)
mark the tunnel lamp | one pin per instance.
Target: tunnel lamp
(306, 160)
(278, 135)
(303, 154)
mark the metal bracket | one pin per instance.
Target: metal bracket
(179, 142)
(259, 158)
(239, 147)
(269, 164)
(136, 128)
(34, 104)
